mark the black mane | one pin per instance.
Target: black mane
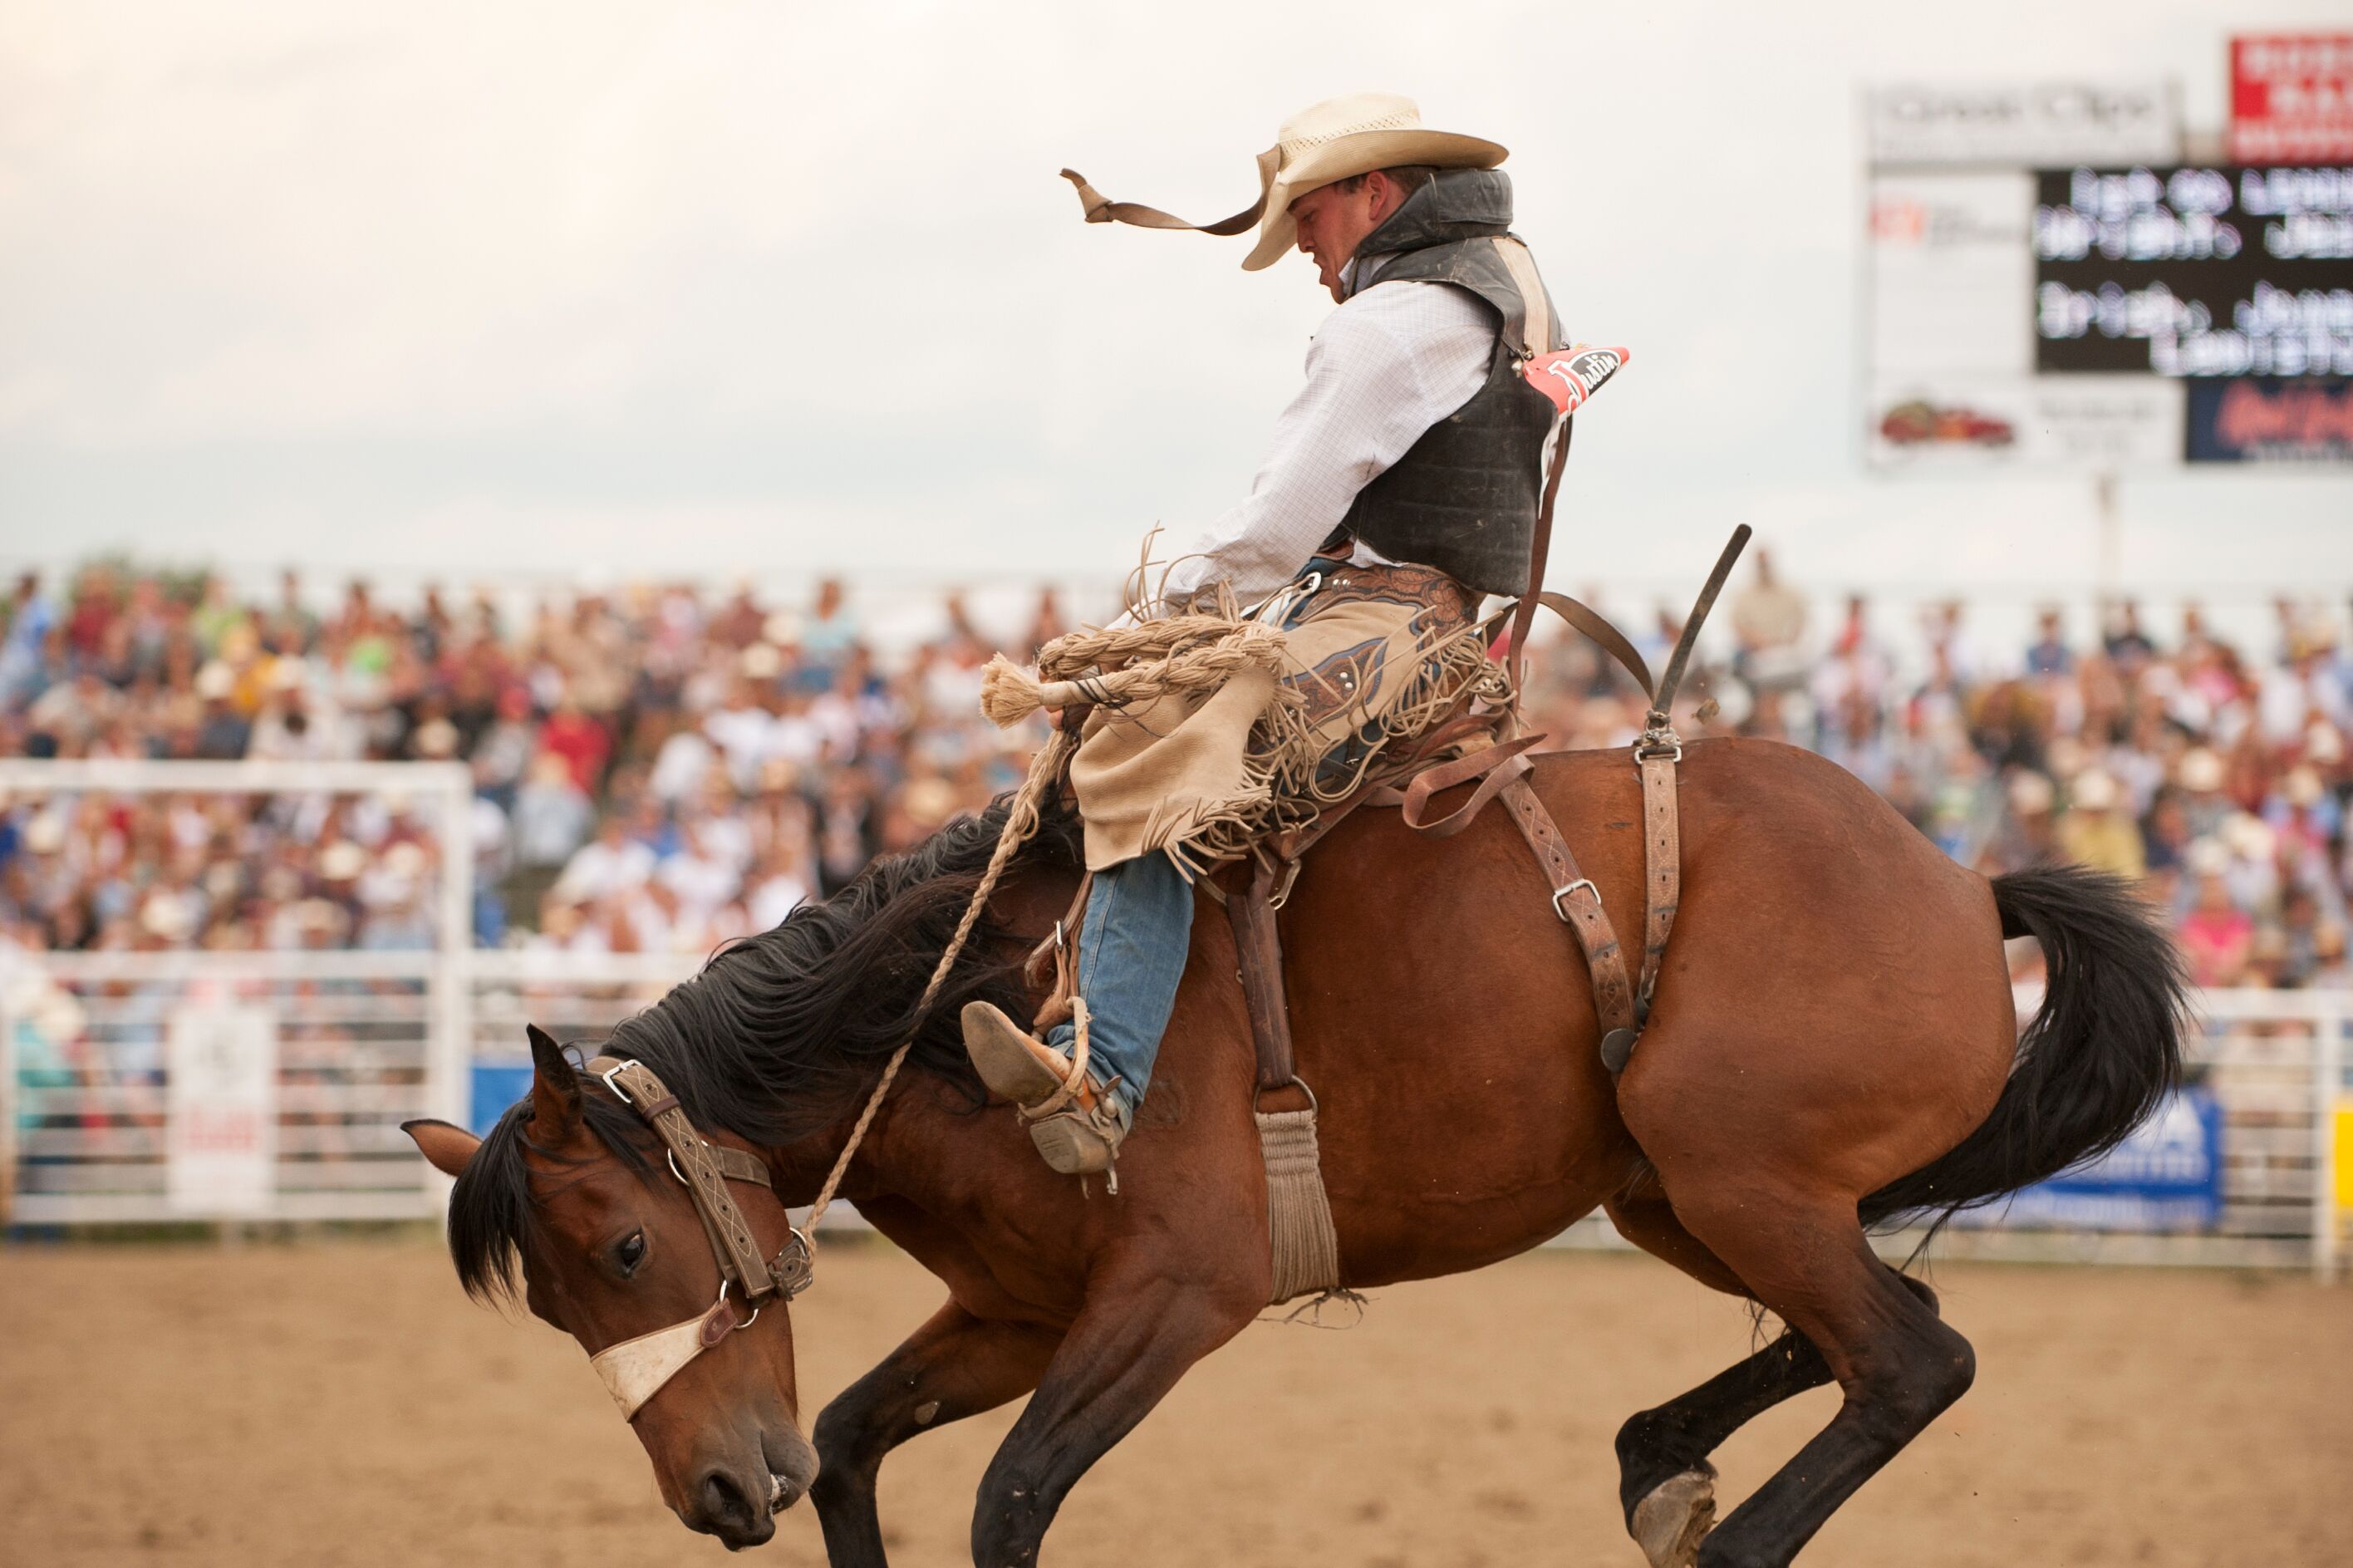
(781, 1033)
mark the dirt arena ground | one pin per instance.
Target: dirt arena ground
(341, 1404)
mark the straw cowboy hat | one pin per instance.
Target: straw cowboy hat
(1336, 140)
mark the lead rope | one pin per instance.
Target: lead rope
(1021, 820)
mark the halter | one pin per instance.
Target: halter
(635, 1369)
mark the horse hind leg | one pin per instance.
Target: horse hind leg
(1665, 1484)
(1874, 1331)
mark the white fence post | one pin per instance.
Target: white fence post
(450, 1051)
(2327, 1084)
(9, 973)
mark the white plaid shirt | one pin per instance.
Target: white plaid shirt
(1387, 365)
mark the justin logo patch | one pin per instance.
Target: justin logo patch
(1574, 375)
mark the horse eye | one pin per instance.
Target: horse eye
(631, 1252)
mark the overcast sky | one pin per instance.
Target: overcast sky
(776, 287)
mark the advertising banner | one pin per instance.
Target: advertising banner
(221, 1110)
(2291, 98)
(2024, 125)
(2168, 1176)
(1942, 423)
(1951, 385)
(2194, 272)
(2267, 420)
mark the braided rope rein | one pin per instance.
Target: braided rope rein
(1021, 820)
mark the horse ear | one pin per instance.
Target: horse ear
(446, 1147)
(554, 1086)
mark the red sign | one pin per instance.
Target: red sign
(1574, 375)
(2291, 98)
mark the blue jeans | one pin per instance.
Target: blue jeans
(1132, 947)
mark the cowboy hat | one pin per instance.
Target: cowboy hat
(1336, 140)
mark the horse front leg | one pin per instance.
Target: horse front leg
(954, 1366)
(1137, 1335)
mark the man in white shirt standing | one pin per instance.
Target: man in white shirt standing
(1403, 484)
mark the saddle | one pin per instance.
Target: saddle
(1446, 756)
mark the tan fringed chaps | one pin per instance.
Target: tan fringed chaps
(1200, 775)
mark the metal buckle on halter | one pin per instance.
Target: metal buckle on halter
(1560, 893)
(793, 1268)
(619, 1093)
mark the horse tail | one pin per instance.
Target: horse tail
(2093, 1065)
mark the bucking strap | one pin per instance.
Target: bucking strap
(1662, 848)
(706, 1168)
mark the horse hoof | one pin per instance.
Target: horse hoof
(1670, 1523)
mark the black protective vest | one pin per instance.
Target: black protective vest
(1463, 498)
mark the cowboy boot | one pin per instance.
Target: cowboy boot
(1081, 1139)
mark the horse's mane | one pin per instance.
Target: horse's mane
(781, 1032)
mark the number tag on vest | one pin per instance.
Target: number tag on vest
(1574, 375)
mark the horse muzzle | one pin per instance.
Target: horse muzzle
(738, 1502)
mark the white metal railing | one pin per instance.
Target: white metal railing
(371, 1039)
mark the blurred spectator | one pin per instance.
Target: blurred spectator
(648, 769)
(658, 771)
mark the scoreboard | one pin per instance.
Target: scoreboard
(2194, 273)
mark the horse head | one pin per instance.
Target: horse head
(573, 1193)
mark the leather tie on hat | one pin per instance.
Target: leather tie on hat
(1100, 208)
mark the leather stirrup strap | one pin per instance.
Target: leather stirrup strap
(1496, 767)
(1060, 950)
(700, 1162)
(1258, 946)
(1578, 904)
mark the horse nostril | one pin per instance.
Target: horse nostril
(723, 1502)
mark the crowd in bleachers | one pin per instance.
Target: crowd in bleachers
(651, 770)
(660, 769)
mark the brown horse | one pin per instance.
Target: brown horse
(1833, 1047)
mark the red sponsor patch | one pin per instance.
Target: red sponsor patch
(1574, 375)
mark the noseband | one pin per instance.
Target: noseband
(635, 1369)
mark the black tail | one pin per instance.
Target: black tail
(2091, 1067)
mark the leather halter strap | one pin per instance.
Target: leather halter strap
(706, 1169)
(636, 1370)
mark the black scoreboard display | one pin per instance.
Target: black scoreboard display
(2194, 273)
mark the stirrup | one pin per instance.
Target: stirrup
(1076, 1142)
